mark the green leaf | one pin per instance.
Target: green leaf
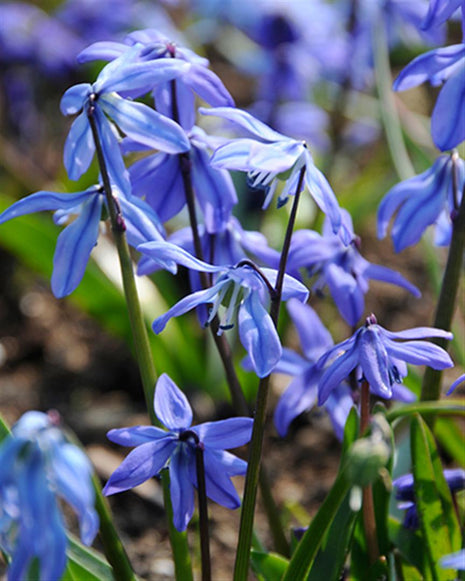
(451, 437)
(438, 521)
(270, 566)
(449, 407)
(307, 549)
(351, 431)
(85, 564)
(409, 543)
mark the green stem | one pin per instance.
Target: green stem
(388, 109)
(112, 545)
(139, 330)
(178, 541)
(431, 387)
(256, 444)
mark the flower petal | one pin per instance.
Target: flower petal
(74, 246)
(208, 86)
(447, 130)
(378, 272)
(314, 337)
(171, 405)
(225, 434)
(217, 480)
(79, 147)
(258, 335)
(346, 292)
(181, 488)
(420, 353)
(141, 464)
(135, 435)
(336, 373)
(74, 98)
(375, 364)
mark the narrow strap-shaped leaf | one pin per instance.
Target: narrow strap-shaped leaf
(436, 513)
(451, 437)
(268, 566)
(409, 544)
(85, 563)
(449, 407)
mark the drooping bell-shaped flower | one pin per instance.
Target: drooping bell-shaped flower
(245, 293)
(380, 356)
(38, 466)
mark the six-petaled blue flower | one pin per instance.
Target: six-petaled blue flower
(176, 448)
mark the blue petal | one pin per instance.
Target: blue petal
(171, 405)
(427, 66)
(225, 434)
(140, 75)
(186, 304)
(291, 363)
(105, 50)
(336, 373)
(338, 405)
(215, 191)
(74, 246)
(346, 293)
(45, 201)
(235, 154)
(168, 198)
(292, 288)
(73, 477)
(322, 193)
(79, 147)
(258, 335)
(181, 488)
(417, 333)
(420, 353)
(141, 464)
(377, 272)
(208, 86)
(456, 383)
(314, 337)
(448, 118)
(374, 361)
(74, 98)
(300, 395)
(217, 478)
(142, 224)
(246, 121)
(145, 125)
(166, 253)
(185, 100)
(136, 435)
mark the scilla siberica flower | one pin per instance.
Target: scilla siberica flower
(380, 359)
(37, 467)
(269, 158)
(302, 392)
(176, 449)
(340, 266)
(77, 240)
(432, 197)
(454, 561)
(245, 292)
(441, 10)
(441, 66)
(138, 121)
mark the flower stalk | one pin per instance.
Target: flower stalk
(255, 451)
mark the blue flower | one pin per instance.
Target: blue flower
(441, 10)
(341, 267)
(443, 65)
(176, 448)
(405, 493)
(454, 561)
(136, 120)
(432, 197)
(269, 158)
(38, 465)
(380, 358)
(302, 393)
(245, 292)
(75, 243)
(456, 383)
(213, 188)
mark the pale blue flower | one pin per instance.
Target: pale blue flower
(269, 158)
(454, 561)
(432, 197)
(37, 467)
(246, 294)
(380, 358)
(176, 449)
(78, 238)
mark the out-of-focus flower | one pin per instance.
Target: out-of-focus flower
(441, 10)
(429, 198)
(176, 448)
(245, 292)
(37, 466)
(441, 66)
(340, 266)
(454, 561)
(75, 243)
(405, 493)
(302, 393)
(456, 383)
(269, 158)
(380, 358)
